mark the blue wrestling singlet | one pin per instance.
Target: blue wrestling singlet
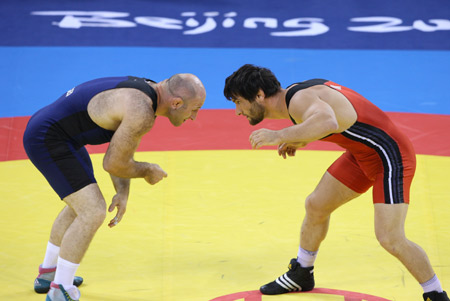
(55, 136)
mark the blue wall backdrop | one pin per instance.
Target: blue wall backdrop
(397, 53)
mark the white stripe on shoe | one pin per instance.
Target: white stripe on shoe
(298, 287)
(285, 282)
(282, 285)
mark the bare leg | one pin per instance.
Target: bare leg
(62, 222)
(72, 231)
(327, 197)
(390, 232)
(90, 208)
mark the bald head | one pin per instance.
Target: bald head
(186, 86)
(182, 96)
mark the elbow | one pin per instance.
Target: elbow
(112, 167)
(332, 125)
(109, 167)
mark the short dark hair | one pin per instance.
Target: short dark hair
(247, 80)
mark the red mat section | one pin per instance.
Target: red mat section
(222, 129)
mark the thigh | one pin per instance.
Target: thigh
(393, 184)
(390, 220)
(330, 194)
(87, 200)
(347, 171)
(66, 168)
(84, 156)
(391, 190)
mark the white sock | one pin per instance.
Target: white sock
(432, 285)
(306, 258)
(51, 256)
(65, 272)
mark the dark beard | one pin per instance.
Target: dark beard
(255, 121)
(256, 114)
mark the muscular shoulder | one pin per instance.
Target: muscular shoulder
(138, 113)
(305, 98)
(310, 101)
(320, 93)
(124, 106)
(325, 99)
(311, 91)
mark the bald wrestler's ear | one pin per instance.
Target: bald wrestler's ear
(177, 102)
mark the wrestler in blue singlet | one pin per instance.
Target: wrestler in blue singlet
(55, 136)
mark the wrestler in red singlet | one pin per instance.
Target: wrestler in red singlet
(377, 152)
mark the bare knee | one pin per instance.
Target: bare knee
(95, 215)
(392, 242)
(329, 195)
(389, 227)
(89, 206)
(98, 215)
(68, 213)
(315, 209)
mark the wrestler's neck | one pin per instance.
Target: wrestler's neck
(160, 92)
(275, 106)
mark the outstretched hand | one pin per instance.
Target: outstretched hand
(119, 201)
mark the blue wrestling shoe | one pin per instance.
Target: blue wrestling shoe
(296, 279)
(435, 296)
(46, 276)
(58, 293)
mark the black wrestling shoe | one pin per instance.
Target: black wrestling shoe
(435, 296)
(296, 279)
